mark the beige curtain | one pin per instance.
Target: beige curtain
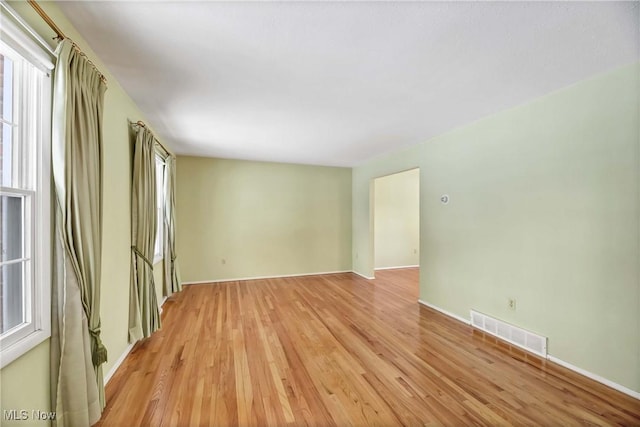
(77, 353)
(144, 316)
(171, 272)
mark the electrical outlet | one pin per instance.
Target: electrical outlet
(512, 303)
(415, 251)
(224, 261)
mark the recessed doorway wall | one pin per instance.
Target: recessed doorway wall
(397, 220)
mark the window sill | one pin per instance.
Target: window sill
(19, 348)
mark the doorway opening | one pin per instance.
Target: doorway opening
(396, 223)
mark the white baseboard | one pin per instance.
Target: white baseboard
(553, 359)
(116, 365)
(595, 377)
(362, 275)
(162, 303)
(445, 312)
(200, 282)
(399, 266)
(124, 354)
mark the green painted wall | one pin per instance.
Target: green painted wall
(24, 385)
(25, 382)
(397, 219)
(544, 209)
(262, 219)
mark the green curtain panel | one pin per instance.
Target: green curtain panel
(77, 353)
(144, 315)
(171, 271)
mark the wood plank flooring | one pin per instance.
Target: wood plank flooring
(340, 350)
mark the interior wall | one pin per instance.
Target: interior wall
(543, 208)
(25, 382)
(397, 219)
(241, 219)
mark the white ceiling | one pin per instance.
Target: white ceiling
(336, 83)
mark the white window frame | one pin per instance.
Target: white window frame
(18, 41)
(161, 195)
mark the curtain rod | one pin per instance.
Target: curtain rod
(49, 21)
(142, 124)
(60, 35)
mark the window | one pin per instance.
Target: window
(160, 192)
(25, 207)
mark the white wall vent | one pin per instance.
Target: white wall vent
(519, 337)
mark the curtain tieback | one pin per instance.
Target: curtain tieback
(98, 351)
(144, 258)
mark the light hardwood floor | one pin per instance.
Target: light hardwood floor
(340, 350)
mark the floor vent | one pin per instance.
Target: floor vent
(517, 336)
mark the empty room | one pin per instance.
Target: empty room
(322, 213)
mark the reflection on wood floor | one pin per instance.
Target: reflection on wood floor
(340, 350)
